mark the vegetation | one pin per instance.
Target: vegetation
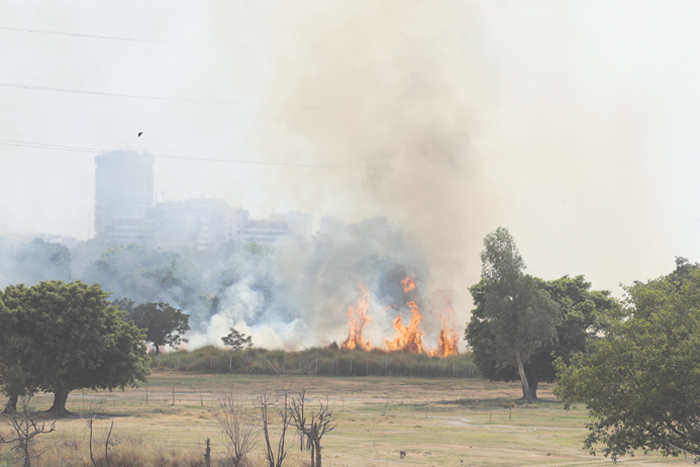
(641, 379)
(580, 308)
(514, 316)
(316, 361)
(57, 337)
(236, 340)
(164, 324)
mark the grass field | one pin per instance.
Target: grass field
(437, 422)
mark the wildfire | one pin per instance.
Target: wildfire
(357, 320)
(447, 340)
(407, 338)
(408, 284)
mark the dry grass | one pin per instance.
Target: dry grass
(435, 421)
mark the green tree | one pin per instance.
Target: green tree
(641, 378)
(78, 340)
(579, 307)
(516, 314)
(164, 324)
(237, 340)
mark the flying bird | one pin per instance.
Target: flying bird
(140, 133)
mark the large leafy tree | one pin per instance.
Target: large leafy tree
(164, 324)
(641, 378)
(77, 340)
(579, 307)
(517, 315)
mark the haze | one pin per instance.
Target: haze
(573, 124)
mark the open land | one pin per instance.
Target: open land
(436, 421)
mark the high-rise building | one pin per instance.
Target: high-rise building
(123, 194)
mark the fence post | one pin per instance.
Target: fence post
(316, 371)
(207, 455)
(367, 371)
(194, 364)
(350, 366)
(284, 365)
(299, 364)
(230, 362)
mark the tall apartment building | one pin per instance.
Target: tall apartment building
(123, 195)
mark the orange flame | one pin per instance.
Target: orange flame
(408, 338)
(408, 284)
(448, 338)
(357, 320)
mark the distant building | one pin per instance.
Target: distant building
(267, 231)
(297, 222)
(199, 223)
(123, 195)
(125, 211)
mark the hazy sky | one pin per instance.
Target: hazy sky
(572, 123)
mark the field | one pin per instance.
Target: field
(436, 421)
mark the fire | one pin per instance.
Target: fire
(408, 284)
(357, 320)
(408, 338)
(448, 338)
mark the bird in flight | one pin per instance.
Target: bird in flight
(140, 133)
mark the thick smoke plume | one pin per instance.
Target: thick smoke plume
(403, 90)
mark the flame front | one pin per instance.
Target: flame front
(357, 320)
(408, 338)
(448, 338)
(408, 284)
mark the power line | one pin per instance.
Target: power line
(94, 36)
(93, 151)
(158, 98)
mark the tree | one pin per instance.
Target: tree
(313, 429)
(78, 340)
(164, 324)
(514, 313)
(26, 429)
(641, 378)
(579, 307)
(237, 340)
(240, 431)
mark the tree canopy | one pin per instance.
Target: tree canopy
(513, 312)
(60, 337)
(580, 308)
(237, 340)
(164, 324)
(641, 378)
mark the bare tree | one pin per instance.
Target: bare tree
(26, 429)
(240, 429)
(311, 430)
(269, 404)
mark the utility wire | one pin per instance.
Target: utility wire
(94, 36)
(93, 151)
(157, 98)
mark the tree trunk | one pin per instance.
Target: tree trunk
(157, 349)
(317, 446)
(11, 405)
(523, 379)
(533, 390)
(59, 404)
(313, 454)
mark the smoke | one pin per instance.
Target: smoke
(398, 91)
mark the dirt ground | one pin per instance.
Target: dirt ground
(436, 422)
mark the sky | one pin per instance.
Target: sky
(573, 124)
